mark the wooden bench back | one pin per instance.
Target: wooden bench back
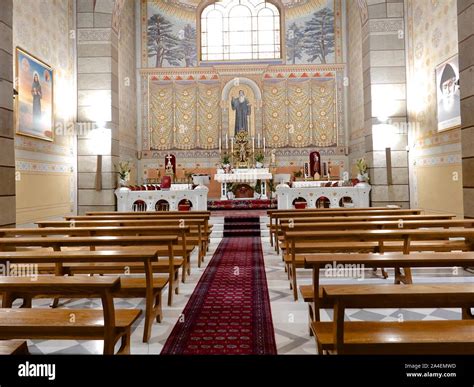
(100, 213)
(381, 224)
(87, 287)
(182, 215)
(298, 242)
(273, 212)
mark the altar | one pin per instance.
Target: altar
(243, 175)
(150, 198)
(313, 192)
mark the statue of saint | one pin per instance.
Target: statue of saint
(242, 110)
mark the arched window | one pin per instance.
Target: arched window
(240, 30)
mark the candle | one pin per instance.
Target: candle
(258, 140)
(220, 145)
(226, 141)
(263, 144)
(231, 145)
(253, 145)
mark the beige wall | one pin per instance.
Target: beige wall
(435, 158)
(46, 187)
(356, 87)
(128, 87)
(7, 156)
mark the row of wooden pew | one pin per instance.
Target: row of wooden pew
(379, 238)
(156, 245)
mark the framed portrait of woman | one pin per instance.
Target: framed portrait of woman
(34, 103)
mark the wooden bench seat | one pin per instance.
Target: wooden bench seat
(13, 347)
(397, 337)
(108, 324)
(410, 337)
(151, 291)
(55, 324)
(385, 240)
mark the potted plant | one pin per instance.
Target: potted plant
(363, 175)
(297, 175)
(226, 163)
(124, 168)
(259, 157)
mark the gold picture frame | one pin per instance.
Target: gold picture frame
(34, 102)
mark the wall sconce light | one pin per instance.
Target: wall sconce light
(388, 160)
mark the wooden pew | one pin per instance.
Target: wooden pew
(196, 226)
(184, 216)
(405, 240)
(350, 218)
(371, 225)
(95, 213)
(400, 338)
(162, 245)
(319, 262)
(13, 347)
(181, 250)
(275, 215)
(108, 324)
(150, 287)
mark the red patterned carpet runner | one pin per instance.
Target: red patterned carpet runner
(229, 311)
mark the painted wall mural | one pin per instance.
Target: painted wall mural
(311, 33)
(168, 36)
(292, 106)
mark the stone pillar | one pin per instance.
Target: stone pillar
(7, 147)
(98, 104)
(385, 114)
(466, 68)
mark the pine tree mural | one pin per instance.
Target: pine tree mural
(188, 45)
(294, 43)
(319, 35)
(162, 42)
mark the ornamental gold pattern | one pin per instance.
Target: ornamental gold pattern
(161, 116)
(300, 113)
(208, 115)
(184, 115)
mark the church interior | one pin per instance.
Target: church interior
(237, 177)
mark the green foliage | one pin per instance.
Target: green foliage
(124, 168)
(225, 159)
(361, 166)
(259, 157)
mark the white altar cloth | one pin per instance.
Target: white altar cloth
(244, 175)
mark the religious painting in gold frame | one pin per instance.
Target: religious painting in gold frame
(34, 111)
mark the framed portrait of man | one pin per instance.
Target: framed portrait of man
(448, 94)
(34, 102)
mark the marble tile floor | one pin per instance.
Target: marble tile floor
(290, 318)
